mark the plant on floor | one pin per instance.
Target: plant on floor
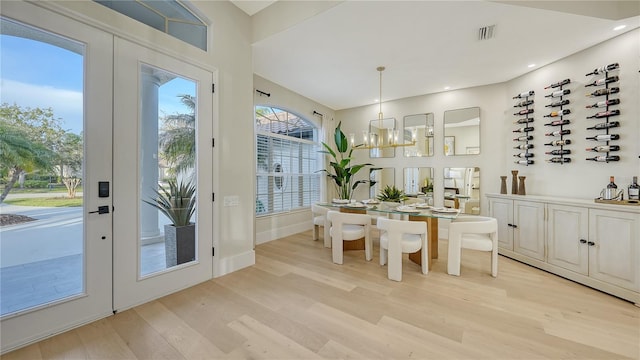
(341, 171)
(392, 194)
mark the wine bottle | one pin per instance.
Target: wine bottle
(524, 112)
(559, 142)
(602, 69)
(602, 92)
(606, 125)
(523, 138)
(523, 103)
(604, 103)
(558, 123)
(524, 129)
(604, 137)
(559, 103)
(558, 152)
(524, 94)
(559, 132)
(612, 184)
(524, 155)
(604, 148)
(524, 147)
(558, 84)
(605, 159)
(559, 113)
(604, 114)
(559, 93)
(603, 81)
(634, 189)
(523, 121)
(524, 162)
(560, 160)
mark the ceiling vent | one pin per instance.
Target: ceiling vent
(486, 32)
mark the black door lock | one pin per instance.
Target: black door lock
(101, 210)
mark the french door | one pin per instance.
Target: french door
(57, 268)
(163, 131)
(145, 124)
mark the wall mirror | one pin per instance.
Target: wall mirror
(381, 133)
(462, 131)
(420, 126)
(379, 178)
(462, 189)
(418, 182)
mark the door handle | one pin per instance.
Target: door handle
(101, 210)
(583, 241)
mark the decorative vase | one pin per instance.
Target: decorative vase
(521, 190)
(503, 184)
(514, 182)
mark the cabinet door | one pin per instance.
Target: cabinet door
(614, 248)
(528, 225)
(502, 209)
(567, 234)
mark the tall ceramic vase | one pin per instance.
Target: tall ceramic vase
(503, 184)
(514, 182)
(521, 189)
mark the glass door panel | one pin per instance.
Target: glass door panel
(167, 165)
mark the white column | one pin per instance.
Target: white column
(149, 153)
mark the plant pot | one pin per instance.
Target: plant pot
(392, 204)
(179, 244)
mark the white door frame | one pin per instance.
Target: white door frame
(96, 302)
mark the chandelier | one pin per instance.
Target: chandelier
(385, 134)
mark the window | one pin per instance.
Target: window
(287, 161)
(169, 16)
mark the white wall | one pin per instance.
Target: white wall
(580, 178)
(275, 226)
(490, 99)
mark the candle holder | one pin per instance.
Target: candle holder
(503, 184)
(521, 189)
(514, 182)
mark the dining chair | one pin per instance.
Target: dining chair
(349, 227)
(475, 233)
(398, 237)
(319, 217)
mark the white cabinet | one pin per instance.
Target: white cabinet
(520, 226)
(614, 248)
(594, 244)
(502, 209)
(528, 229)
(567, 234)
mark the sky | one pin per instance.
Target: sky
(36, 74)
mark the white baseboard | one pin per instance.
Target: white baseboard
(233, 263)
(274, 234)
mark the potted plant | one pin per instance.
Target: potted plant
(391, 194)
(178, 203)
(341, 171)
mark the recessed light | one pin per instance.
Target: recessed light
(447, 87)
(619, 27)
(531, 65)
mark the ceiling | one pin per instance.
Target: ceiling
(331, 56)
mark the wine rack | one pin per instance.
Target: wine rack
(558, 122)
(523, 132)
(605, 100)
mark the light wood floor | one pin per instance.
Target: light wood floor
(295, 304)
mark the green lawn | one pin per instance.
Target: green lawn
(46, 202)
